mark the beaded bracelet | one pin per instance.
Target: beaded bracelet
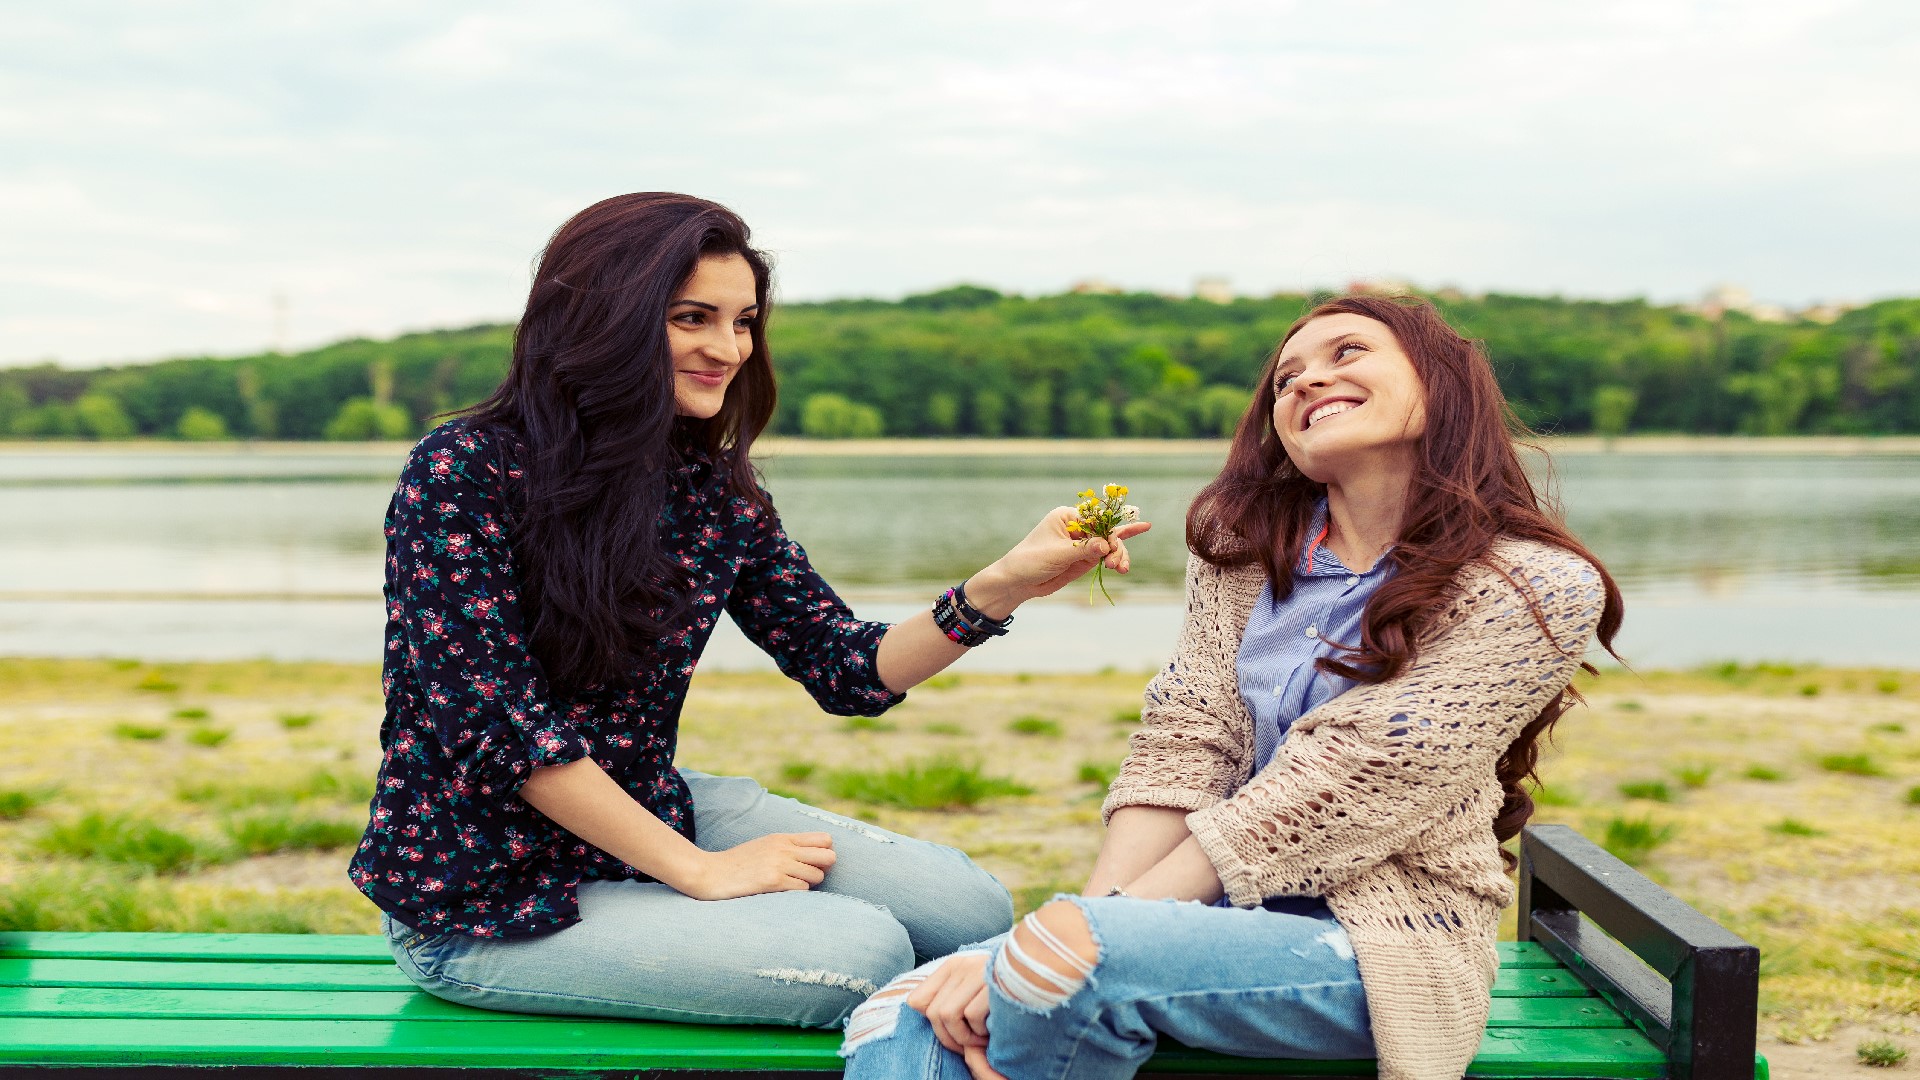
(963, 623)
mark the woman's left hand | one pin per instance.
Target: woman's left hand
(1047, 561)
(953, 998)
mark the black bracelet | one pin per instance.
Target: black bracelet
(963, 623)
(974, 615)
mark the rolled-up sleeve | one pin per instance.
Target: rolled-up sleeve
(454, 592)
(784, 607)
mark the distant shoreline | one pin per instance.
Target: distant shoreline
(782, 446)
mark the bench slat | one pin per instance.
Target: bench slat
(345, 948)
(190, 975)
(575, 1045)
(303, 948)
(146, 1003)
(238, 975)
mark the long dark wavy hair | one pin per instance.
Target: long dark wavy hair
(588, 406)
(1468, 489)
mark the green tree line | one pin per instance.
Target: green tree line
(972, 361)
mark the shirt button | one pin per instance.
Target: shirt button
(1313, 631)
(1352, 580)
(1278, 690)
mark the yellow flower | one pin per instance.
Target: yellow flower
(1115, 491)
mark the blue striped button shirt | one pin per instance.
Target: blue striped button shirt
(1278, 679)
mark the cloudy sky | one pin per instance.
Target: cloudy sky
(166, 169)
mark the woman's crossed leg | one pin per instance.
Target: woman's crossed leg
(1083, 988)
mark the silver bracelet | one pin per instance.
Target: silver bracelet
(1118, 891)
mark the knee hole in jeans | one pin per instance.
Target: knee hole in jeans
(876, 1017)
(1047, 958)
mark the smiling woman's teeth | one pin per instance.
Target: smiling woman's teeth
(1331, 408)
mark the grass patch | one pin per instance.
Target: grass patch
(938, 783)
(1629, 705)
(1693, 774)
(209, 737)
(1656, 790)
(1888, 729)
(1028, 897)
(797, 772)
(16, 803)
(1551, 795)
(193, 714)
(1880, 1053)
(157, 682)
(942, 682)
(1888, 686)
(138, 732)
(1631, 840)
(1794, 827)
(1745, 675)
(1093, 772)
(1765, 773)
(1852, 765)
(1127, 716)
(322, 784)
(124, 839)
(1033, 724)
(277, 830)
(1913, 796)
(944, 727)
(69, 898)
(868, 723)
(1810, 690)
(294, 721)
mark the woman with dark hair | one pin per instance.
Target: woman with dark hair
(1383, 619)
(557, 558)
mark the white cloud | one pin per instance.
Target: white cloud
(166, 169)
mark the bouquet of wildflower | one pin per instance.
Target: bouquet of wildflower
(1099, 513)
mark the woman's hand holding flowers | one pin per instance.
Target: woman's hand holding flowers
(1058, 550)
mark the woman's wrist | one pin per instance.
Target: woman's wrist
(994, 592)
(682, 869)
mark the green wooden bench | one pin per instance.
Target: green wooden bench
(107, 1006)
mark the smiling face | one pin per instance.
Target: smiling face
(1346, 398)
(710, 332)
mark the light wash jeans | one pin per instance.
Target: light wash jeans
(644, 951)
(1269, 984)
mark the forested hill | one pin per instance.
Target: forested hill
(970, 361)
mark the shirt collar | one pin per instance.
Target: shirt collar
(1318, 560)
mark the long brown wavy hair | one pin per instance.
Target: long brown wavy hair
(1468, 489)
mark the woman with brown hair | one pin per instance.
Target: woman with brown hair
(1383, 618)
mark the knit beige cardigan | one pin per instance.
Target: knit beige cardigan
(1381, 800)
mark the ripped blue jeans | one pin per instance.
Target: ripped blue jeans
(1260, 983)
(641, 950)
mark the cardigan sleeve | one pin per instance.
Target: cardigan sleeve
(1358, 779)
(1186, 754)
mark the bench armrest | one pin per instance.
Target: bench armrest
(1690, 984)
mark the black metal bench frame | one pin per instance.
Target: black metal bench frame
(1690, 984)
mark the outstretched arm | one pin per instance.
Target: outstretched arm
(1044, 563)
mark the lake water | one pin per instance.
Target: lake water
(202, 553)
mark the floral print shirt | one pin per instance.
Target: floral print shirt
(450, 846)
